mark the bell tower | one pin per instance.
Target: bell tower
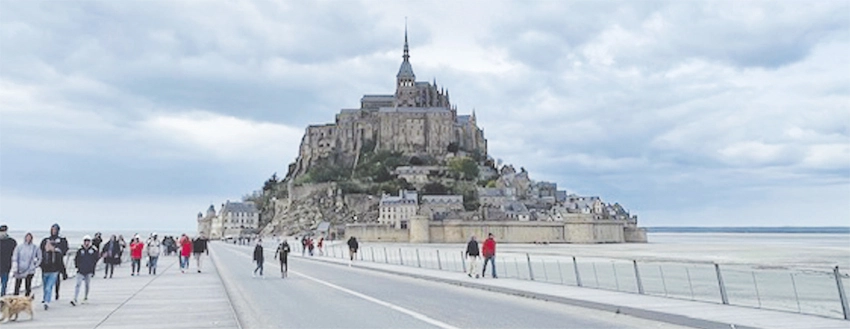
(405, 88)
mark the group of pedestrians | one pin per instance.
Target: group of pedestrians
(21, 261)
(281, 253)
(188, 247)
(473, 254)
(308, 245)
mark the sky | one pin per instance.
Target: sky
(140, 114)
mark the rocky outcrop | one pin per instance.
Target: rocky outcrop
(310, 204)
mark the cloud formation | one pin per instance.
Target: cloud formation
(694, 113)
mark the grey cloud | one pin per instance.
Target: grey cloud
(767, 34)
(647, 131)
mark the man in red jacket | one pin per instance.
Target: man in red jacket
(489, 253)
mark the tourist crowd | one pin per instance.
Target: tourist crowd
(22, 261)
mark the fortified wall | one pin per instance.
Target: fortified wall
(422, 230)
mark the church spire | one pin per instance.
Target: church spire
(405, 91)
(406, 70)
(406, 49)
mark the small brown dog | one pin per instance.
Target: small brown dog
(10, 306)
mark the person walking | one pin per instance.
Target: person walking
(123, 244)
(258, 257)
(321, 245)
(111, 254)
(97, 241)
(51, 265)
(199, 247)
(85, 261)
(7, 249)
(26, 260)
(352, 249)
(303, 245)
(185, 252)
(472, 256)
(136, 249)
(153, 250)
(60, 244)
(310, 246)
(282, 253)
(489, 253)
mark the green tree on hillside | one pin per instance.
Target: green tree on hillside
(464, 168)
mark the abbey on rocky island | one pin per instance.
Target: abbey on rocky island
(419, 119)
(413, 142)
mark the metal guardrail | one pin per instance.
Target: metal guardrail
(806, 292)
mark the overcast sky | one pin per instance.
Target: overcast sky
(140, 114)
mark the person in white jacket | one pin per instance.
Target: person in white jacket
(153, 248)
(25, 260)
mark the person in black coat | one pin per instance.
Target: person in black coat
(258, 257)
(472, 255)
(353, 246)
(111, 254)
(60, 244)
(51, 265)
(282, 253)
(7, 248)
(85, 261)
(97, 241)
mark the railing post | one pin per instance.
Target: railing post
(841, 294)
(595, 274)
(439, 263)
(721, 285)
(796, 296)
(545, 273)
(516, 266)
(530, 271)
(386, 258)
(578, 275)
(372, 251)
(756, 284)
(560, 272)
(690, 285)
(637, 277)
(616, 277)
(463, 262)
(418, 261)
(400, 257)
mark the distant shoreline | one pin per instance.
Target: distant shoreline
(783, 229)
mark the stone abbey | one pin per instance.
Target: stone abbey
(413, 141)
(419, 119)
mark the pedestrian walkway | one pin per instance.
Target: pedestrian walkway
(168, 300)
(677, 311)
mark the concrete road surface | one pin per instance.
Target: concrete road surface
(321, 295)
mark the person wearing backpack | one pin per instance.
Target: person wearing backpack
(153, 250)
(282, 253)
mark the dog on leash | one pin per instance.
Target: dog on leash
(10, 306)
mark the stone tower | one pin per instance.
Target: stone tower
(405, 87)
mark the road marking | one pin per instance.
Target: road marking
(414, 314)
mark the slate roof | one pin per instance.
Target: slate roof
(232, 207)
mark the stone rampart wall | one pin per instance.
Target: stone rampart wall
(376, 233)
